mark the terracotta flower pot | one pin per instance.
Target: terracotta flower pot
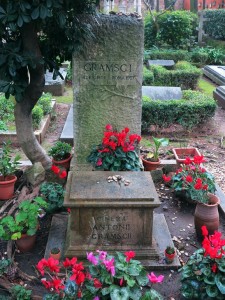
(169, 257)
(7, 187)
(182, 153)
(63, 163)
(56, 255)
(150, 165)
(26, 242)
(208, 215)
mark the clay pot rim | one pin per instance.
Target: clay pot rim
(150, 161)
(62, 161)
(8, 179)
(210, 204)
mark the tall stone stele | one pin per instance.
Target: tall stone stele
(107, 81)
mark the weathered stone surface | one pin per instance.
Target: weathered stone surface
(215, 73)
(219, 95)
(107, 81)
(110, 216)
(167, 63)
(162, 92)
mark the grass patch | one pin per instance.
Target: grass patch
(206, 87)
(67, 98)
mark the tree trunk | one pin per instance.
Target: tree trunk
(23, 109)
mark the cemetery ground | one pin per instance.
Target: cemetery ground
(208, 138)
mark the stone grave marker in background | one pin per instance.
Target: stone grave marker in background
(162, 92)
(167, 63)
(215, 73)
(107, 81)
(219, 95)
(55, 86)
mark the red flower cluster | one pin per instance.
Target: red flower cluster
(61, 173)
(113, 139)
(213, 247)
(129, 255)
(48, 266)
(194, 179)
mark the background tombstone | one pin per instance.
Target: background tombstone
(107, 81)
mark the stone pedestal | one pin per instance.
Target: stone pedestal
(110, 216)
(219, 95)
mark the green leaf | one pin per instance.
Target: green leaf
(135, 293)
(209, 279)
(220, 282)
(212, 291)
(35, 13)
(142, 278)
(43, 12)
(133, 270)
(16, 236)
(131, 155)
(120, 294)
(105, 291)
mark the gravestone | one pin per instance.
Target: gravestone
(167, 63)
(215, 73)
(162, 92)
(108, 80)
(55, 86)
(111, 216)
(219, 95)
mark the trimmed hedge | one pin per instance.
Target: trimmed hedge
(215, 23)
(175, 55)
(193, 109)
(148, 77)
(184, 75)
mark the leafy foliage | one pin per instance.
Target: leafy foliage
(188, 112)
(45, 102)
(19, 292)
(184, 75)
(148, 77)
(203, 275)
(53, 193)
(25, 220)
(37, 115)
(8, 165)
(175, 29)
(61, 33)
(214, 24)
(60, 150)
(172, 54)
(117, 152)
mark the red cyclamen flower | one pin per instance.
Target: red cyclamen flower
(63, 174)
(166, 178)
(55, 169)
(129, 255)
(108, 127)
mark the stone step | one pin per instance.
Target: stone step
(67, 133)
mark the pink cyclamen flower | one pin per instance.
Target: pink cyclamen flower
(109, 264)
(102, 254)
(96, 298)
(92, 258)
(154, 279)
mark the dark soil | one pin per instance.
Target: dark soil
(178, 214)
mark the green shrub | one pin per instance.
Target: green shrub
(37, 115)
(6, 111)
(69, 73)
(175, 55)
(191, 110)
(53, 193)
(215, 23)
(184, 75)
(174, 29)
(199, 57)
(177, 28)
(148, 77)
(45, 102)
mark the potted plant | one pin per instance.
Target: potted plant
(117, 151)
(170, 254)
(182, 153)
(202, 277)
(8, 166)
(105, 277)
(61, 154)
(22, 226)
(55, 253)
(151, 160)
(199, 185)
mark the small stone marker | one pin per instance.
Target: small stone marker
(215, 73)
(167, 63)
(219, 95)
(110, 216)
(55, 86)
(162, 92)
